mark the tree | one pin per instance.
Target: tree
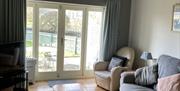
(48, 21)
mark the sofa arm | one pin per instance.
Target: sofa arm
(115, 77)
(118, 70)
(100, 66)
(127, 77)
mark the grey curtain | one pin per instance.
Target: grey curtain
(13, 20)
(114, 31)
(13, 23)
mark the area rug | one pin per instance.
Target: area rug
(51, 83)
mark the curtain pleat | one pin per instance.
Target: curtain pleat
(110, 37)
(13, 14)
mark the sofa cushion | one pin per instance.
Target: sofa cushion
(147, 75)
(115, 61)
(103, 74)
(168, 65)
(133, 87)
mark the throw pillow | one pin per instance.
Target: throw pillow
(123, 58)
(146, 76)
(120, 57)
(169, 83)
(14, 52)
(6, 60)
(115, 62)
(16, 56)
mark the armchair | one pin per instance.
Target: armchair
(109, 80)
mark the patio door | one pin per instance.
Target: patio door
(73, 36)
(59, 33)
(64, 38)
(47, 37)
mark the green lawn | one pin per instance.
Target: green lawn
(28, 43)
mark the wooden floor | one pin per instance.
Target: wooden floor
(79, 85)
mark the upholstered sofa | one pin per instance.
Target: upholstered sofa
(167, 66)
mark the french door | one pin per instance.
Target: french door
(64, 38)
(73, 42)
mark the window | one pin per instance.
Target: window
(93, 38)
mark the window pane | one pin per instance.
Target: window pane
(29, 32)
(93, 38)
(72, 50)
(48, 28)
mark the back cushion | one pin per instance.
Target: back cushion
(168, 65)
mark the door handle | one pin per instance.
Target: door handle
(62, 41)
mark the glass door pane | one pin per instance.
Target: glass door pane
(93, 38)
(72, 47)
(29, 32)
(48, 30)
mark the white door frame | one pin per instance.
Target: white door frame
(45, 75)
(78, 73)
(60, 74)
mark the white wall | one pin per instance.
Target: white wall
(150, 28)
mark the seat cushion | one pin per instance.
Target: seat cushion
(133, 87)
(103, 74)
(168, 65)
(103, 79)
